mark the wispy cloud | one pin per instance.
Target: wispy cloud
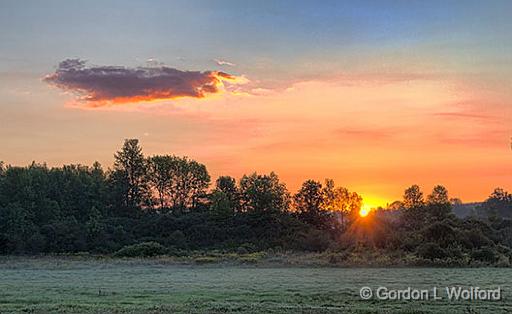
(464, 115)
(98, 86)
(224, 62)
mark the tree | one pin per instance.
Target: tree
(191, 180)
(439, 205)
(227, 185)
(413, 197)
(340, 200)
(355, 201)
(413, 214)
(178, 181)
(226, 189)
(16, 226)
(439, 195)
(130, 173)
(455, 201)
(220, 205)
(308, 202)
(331, 196)
(161, 175)
(498, 205)
(264, 193)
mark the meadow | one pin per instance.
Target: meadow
(103, 285)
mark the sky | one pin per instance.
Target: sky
(377, 95)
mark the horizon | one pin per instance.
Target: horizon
(367, 205)
(377, 96)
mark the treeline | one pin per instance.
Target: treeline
(165, 204)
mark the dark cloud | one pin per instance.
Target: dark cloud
(104, 85)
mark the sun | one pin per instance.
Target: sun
(364, 212)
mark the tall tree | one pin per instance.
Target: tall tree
(161, 175)
(340, 200)
(264, 193)
(439, 195)
(308, 202)
(413, 214)
(130, 173)
(498, 205)
(191, 182)
(230, 193)
(438, 203)
(413, 197)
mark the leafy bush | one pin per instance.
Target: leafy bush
(144, 249)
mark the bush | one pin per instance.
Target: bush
(144, 249)
(246, 248)
(313, 241)
(485, 254)
(441, 233)
(242, 250)
(431, 251)
(206, 260)
(476, 238)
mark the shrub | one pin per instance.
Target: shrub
(206, 260)
(144, 249)
(245, 248)
(441, 233)
(485, 254)
(431, 251)
(477, 238)
(313, 240)
(242, 250)
(178, 239)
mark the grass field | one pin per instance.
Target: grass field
(75, 285)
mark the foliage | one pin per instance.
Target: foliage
(145, 249)
(148, 206)
(263, 193)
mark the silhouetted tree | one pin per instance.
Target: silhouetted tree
(498, 205)
(264, 193)
(161, 174)
(77, 208)
(413, 214)
(340, 200)
(226, 196)
(438, 203)
(413, 197)
(191, 179)
(308, 202)
(130, 174)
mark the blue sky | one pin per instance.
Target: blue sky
(257, 35)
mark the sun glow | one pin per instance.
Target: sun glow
(364, 211)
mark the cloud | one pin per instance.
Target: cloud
(367, 134)
(97, 86)
(464, 115)
(224, 62)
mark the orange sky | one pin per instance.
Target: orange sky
(375, 95)
(374, 135)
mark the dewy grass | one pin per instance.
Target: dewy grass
(57, 285)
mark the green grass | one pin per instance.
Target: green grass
(87, 285)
